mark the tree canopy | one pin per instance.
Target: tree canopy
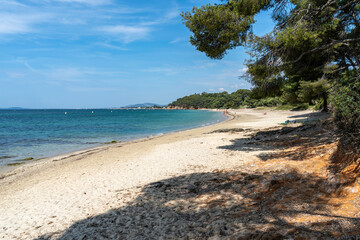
(314, 43)
(214, 100)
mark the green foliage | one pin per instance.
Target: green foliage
(216, 29)
(346, 102)
(296, 107)
(310, 37)
(241, 97)
(213, 100)
(313, 90)
(15, 163)
(263, 102)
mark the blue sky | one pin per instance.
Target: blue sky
(106, 53)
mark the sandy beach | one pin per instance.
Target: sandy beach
(161, 187)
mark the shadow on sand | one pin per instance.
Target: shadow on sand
(293, 141)
(234, 205)
(231, 205)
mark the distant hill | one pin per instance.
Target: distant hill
(143, 105)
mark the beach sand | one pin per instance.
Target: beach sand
(127, 190)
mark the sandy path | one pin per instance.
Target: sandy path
(51, 195)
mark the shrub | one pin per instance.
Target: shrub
(346, 102)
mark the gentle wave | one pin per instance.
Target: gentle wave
(43, 133)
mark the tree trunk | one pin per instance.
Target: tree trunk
(325, 104)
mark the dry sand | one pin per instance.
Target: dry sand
(45, 198)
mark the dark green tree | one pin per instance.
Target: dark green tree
(310, 37)
(213, 100)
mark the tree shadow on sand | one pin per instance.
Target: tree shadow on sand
(225, 205)
(293, 141)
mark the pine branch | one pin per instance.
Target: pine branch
(323, 48)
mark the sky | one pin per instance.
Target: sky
(107, 53)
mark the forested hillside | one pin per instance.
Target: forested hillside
(214, 100)
(239, 99)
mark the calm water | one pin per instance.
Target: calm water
(43, 133)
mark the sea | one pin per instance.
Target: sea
(29, 135)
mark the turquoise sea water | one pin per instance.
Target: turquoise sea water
(44, 133)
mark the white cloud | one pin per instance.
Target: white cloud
(204, 64)
(170, 15)
(74, 74)
(241, 85)
(164, 70)
(113, 46)
(93, 89)
(11, 3)
(12, 24)
(87, 2)
(60, 74)
(15, 75)
(127, 33)
(222, 89)
(26, 64)
(72, 21)
(176, 40)
(243, 70)
(67, 74)
(20, 24)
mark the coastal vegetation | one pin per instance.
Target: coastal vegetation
(214, 100)
(312, 52)
(242, 98)
(312, 55)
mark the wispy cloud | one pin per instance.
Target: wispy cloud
(172, 14)
(241, 85)
(70, 74)
(72, 20)
(87, 2)
(19, 24)
(111, 46)
(127, 33)
(204, 64)
(27, 65)
(93, 89)
(15, 75)
(167, 17)
(162, 70)
(176, 40)
(66, 74)
(4, 3)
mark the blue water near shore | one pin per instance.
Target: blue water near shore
(44, 133)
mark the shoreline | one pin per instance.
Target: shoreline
(93, 182)
(7, 170)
